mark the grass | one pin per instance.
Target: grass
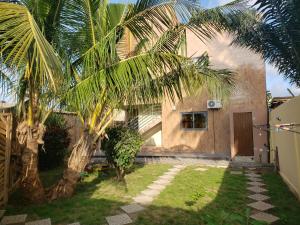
(287, 206)
(213, 197)
(97, 197)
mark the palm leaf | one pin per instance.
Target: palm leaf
(22, 41)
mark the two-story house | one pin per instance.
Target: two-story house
(199, 126)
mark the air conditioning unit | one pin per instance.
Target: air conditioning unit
(214, 104)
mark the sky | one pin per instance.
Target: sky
(274, 81)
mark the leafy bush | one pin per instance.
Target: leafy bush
(121, 147)
(57, 140)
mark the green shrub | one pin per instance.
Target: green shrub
(56, 142)
(121, 147)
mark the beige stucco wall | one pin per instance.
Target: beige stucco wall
(287, 143)
(249, 96)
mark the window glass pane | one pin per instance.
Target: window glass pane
(187, 120)
(200, 120)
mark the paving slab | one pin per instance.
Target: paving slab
(201, 169)
(156, 187)
(236, 172)
(258, 197)
(143, 199)
(170, 173)
(256, 189)
(256, 183)
(174, 170)
(167, 177)
(151, 192)
(132, 208)
(266, 217)
(39, 222)
(14, 220)
(2, 212)
(255, 179)
(180, 166)
(261, 206)
(162, 181)
(120, 219)
(253, 175)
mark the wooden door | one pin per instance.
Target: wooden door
(243, 134)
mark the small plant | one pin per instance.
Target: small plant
(120, 148)
(56, 142)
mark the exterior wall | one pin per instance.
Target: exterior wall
(249, 96)
(287, 143)
(153, 137)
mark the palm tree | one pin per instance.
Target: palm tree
(90, 37)
(273, 30)
(29, 58)
(106, 73)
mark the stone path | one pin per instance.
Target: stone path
(259, 206)
(21, 220)
(144, 198)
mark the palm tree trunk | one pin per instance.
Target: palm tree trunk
(31, 184)
(79, 158)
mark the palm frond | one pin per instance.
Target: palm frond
(274, 32)
(22, 41)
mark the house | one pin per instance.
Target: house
(192, 128)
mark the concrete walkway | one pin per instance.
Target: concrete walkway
(144, 198)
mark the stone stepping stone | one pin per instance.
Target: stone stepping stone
(258, 197)
(2, 212)
(14, 220)
(167, 177)
(156, 187)
(162, 182)
(256, 189)
(132, 208)
(253, 175)
(170, 173)
(201, 169)
(151, 192)
(39, 222)
(175, 170)
(255, 183)
(266, 217)
(179, 166)
(143, 199)
(236, 172)
(120, 219)
(74, 223)
(255, 179)
(261, 206)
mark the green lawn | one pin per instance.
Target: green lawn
(212, 197)
(287, 206)
(95, 198)
(215, 197)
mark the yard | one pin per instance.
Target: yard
(209, 197)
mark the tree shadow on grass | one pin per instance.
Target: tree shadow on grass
(213, 197)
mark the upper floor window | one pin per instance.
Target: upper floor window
(194, 120)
